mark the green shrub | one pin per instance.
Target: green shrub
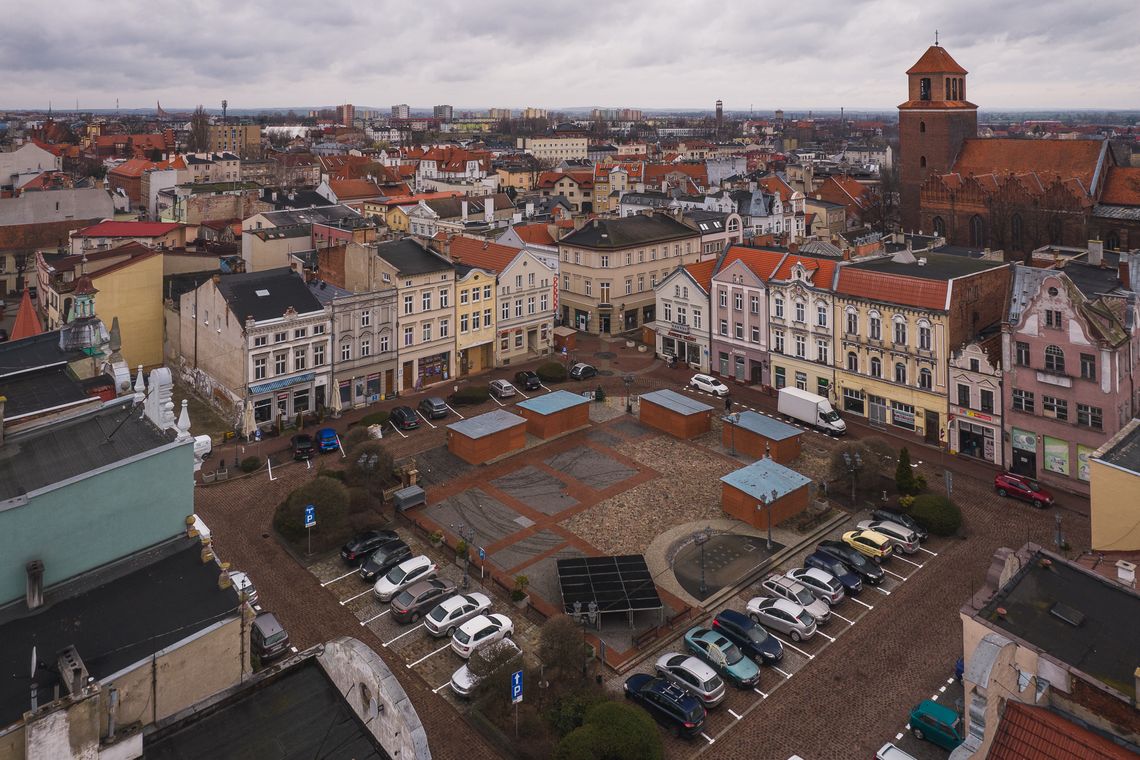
(904, 474)
(361, 501)
(375, 418)
(937, 514)
(331, 500)
(469, 395)
(369, 465)
(552, 372)
(599, 394)
(357, 435)
(567, 712)
(907, 501)
(326, 472)
(249, 464)
(614, 731)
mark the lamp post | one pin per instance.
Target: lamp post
(768, 501)
(702, 539)
(628, 380)
(468, 536)
(854, 465)
(732, 420)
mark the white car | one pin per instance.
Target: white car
(451, 613)
(900, 535)
(709, 384)
(242, 584)
(463, 681)
(793, 591)
(403, 575)
(823, 584)
(480, 631)
(783, 616)
(502, 389)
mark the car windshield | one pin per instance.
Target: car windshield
(804, 597)
(856, 560)
(1033, 485)
(756, 634)
(438, 614)
(831, 416)
(275, 638)
(732, 653)
(396, 575)
(805, 618)
(462, 636)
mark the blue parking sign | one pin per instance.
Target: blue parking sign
(310, 516)
(516, 687)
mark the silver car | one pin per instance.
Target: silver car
(823, 584)
(693, 675)
(451, 613)
(502, 389)
(793, 591)
(900, 535)
(783, 616)
(463, 681)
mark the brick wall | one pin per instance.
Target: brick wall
(742, 506)
(939, 144)
(679, 425)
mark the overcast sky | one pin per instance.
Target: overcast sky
(823, 54)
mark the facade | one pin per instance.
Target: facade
(682, 308)
(739, 321)
(475, 319)
(577, 187)
(555, 148)
(478, 440)
(363, 359)
(243, 140)
(610, 269)
(801, 308)
(674, 413)
(1114, 471)
(975, 387)
(110, 234)
(1070, 350)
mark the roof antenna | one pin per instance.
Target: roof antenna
(936, 37)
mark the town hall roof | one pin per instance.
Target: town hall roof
(1048, 159)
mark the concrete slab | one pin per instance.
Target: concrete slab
(537, 489)
(604, 438)
(591, 467)
(727, 558)
(489, 518)
(439, 466)
(526, 549)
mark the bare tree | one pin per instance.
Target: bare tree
(198, 139)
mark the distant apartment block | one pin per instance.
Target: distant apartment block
(401, 111)
(244, 140)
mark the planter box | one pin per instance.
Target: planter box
(521, 603)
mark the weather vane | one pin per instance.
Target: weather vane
(935, 36)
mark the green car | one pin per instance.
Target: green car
(937, 724)
(724, 656)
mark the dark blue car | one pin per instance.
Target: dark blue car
(670, 705)
(327, 440)
(754, 641)
(852, 583)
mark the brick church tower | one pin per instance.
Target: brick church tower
(933, 122)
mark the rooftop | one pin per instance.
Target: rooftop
(31, 392)
(766, 479)
(1025, 731)
(762, 424)
(487, 424)
(114, 616)
(1123, 450)
(411, 258)
(556, 401)
(319, 214)
(676, 402)
(267, 294)
(1073, 615)
(128, 229)
(628, 231)
(937, 266)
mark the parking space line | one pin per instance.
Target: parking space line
(425, 419)
(293, 650)
(904, 559)
(540, 385)
(924, 549)
(733, 714)
(375, 617)
(708, 738)
(785, 675)
(933, 697)
(357, 596)
(402, 635)
(438, 689)
(949, 681)
(895, 575)
(882, 591)
(789, 645)
(339, 578)
(942, 689)
(845, 620)
(898, 736)
(868, 606)
(432, 654)
(521, 393)
(457, 414)
(500, 403)
(401, 432)
(762, 694)
(829, 638)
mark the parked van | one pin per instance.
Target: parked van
(268, 639)
(890, 752)
(811, 409)
(937, 724)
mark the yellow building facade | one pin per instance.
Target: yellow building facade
(1114, 480)
(475, 310)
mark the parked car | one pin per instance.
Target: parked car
(890, 752)
(937, 724)
(433, 407)
(788, 588)
(671, 706)
(902, 537)
(384, 558)
(501, 389)
(715, 649)
(709, 384)
(754, 641)
(409, 605)
(901, 518)
(821, 583)
(463, 681)
(268, 639)
(1022, 487)
(854, 559)
(480, 631)
(403, 575)
(243, 585)
(357, 548)
(404, 418)
(852, 581)
(581, 371)
(3, 335)
(453, 612)
(781, 615)
(692, 675)
(327, 440)
(870, 543)
(303, 447)
(528, 380)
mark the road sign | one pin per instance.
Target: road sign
(516, 687)
(564, 350)
(482, 553)
(257, 435)
(310, 516)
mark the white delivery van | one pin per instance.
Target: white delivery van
(811, 409)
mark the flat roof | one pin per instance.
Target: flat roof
(298, 713)
(1123, 450)
(556, 401)
(114, 616)
(936, 266)
(766, 479)
(616, 584)
(1078, 617)
(762, 424)
(487, 424)
(675, 402)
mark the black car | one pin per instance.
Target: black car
(433, 407)
(383, 559)
(582, 371)
(303, 447)
(404, 418)
(902, 519)
(754, 640)
(673, 707)
(866, 568)
(528, 380)
(852, 583)
(362, 544)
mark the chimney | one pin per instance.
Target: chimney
(489, 209)
(1122, 270)
(1096, 253)
(1126, 572)
(217, 279)
(35, 588)
(463, 206)
(71, 669)
(529, 209)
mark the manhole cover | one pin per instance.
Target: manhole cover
(604, 355)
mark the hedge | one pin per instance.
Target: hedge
(615, 731)
(249, 464)
(937, 514)
(468, 396)
(376, 418)
(331, 500)
(552, 372)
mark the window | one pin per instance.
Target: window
(280, 363)
(724, 327)
(365, 318)
(445, 327)
(366, 346)
(444, 297)
(779, 378)
(779, 307)
(566, 282)
(697, 318)
(668, 312)
(852, 361)
(408, 303)
(640, 283)
(755, 334)
(925, 379)
(628, 258)
(518, 339)
(739, 330)
(530, 280)
(543, 302)
(300, 358)
(977, 231)
(963, 395)
(987, 401)
(922, 161)
(801, 346)
(603, 292)
(408, 335)
(1022, 401)
(383, 344)
(280, 337)
(605, 264)
(629, 286)
(1051, 406)
(900, 372)
(853, 400)
(801, 312)
(902, 415)
(876, 367)
(754, 304)
(821, 315)
(505, 311)
(900, 332)
(876, 327)
(1015, 226)
(319, 354)
(1022, 357)
(426, 332)
(778, 341)
(821, 354)
(1090, 416)
(924, 88)
(852, 323)
(518, 307)
(1053, 318)
(922, 126)
(924, 339)
(345, 351)
(724, 299)
(462, 323)
(463, 296)
(738, 301)
(590, 286)
(1054, 360)
(259, 368)
(939, 227)
(1088, 366)
(260, 340)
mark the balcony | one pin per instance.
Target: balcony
(679, 327)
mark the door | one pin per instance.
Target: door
(409, 379)
(931, 432)
(389, 382)
(604, 321)
(740, 369)
(1024, 463)
(757, 373)
(320, 396)
(877, 410)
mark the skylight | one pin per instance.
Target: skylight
(262, 292)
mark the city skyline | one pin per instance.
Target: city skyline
(1020, 56)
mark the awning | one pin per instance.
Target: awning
(284, 382)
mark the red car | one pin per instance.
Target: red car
(1022, 487)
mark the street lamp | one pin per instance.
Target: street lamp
(732, 420)
(702, 538)
(854, 465)
(467, 535)
(628, 380)
(768, 501)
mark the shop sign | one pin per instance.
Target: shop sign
(1023, 440)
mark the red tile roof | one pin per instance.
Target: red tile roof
(482, 253)
(1122, 186)
(702, 272)
(27, 325)
(537, 234)
(1049, 159)
(822, 277)
(893, 288)
(776, 186)
(128, 229)
(936, 61)
(584, 179)
(354, 189)
(698, 173)
(1034, 733)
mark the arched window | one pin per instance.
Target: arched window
(900, 372)
(1055, 230)
(925, 379)
(821, 314)
(1015, 227)
(939, 227)
(922, 161)
(876, 367)
(922, 126)
(977, 231)
(852, 321)
(924, 88)
(900, 331)
(1054, 359)
(852, 361)
(875, 324)
(924, 335)
(1112, 241)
